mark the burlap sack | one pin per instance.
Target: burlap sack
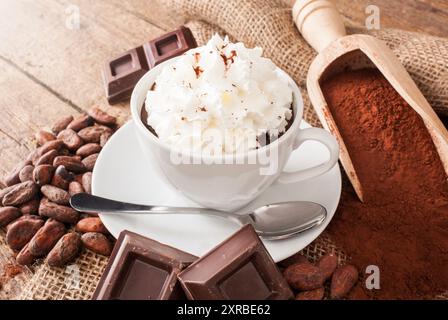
(268, 24)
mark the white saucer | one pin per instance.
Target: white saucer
(123, 173)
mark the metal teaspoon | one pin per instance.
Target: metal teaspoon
(271, 222)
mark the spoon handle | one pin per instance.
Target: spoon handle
(89, 203)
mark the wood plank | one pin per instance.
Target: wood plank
(70, 61)
(417, 15)
(428, 16)
(25, 107)
(154, 12)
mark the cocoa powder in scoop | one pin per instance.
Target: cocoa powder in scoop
(402, 226)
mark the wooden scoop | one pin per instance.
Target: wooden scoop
(320, 24)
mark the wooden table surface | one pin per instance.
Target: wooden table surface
(48, 70)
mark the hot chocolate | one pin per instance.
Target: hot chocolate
(263, 140)
(222, 98)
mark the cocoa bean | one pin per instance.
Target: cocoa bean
(21, 231)
(33, 155)
(104, 138)
(3, 192)
(20, 193)
(43, 174)
(25, 257)
(43, 137)
(45, 239)
(88, 215)
(304, 276)
(327, 264)
(295, 258)
(50, 145)
(89, 162)
(21, 218)
(93, 134)
(27, 217)
(343, 280)
(70, 163)
(58, 212)
(102, 117)
(26, 174)
(97, 242)
(8, 214)
(71, 139)
(88, 149)
(91, 224)
(74, 188)
(78, 178)
(65, 250)
(316, 294)
(62, 178)
(13, 177)
(30, 207)
(87, 182)
(61, 124)
(55, 194)
(47, 158)
(81, 122)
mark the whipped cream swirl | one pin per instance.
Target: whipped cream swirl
(219, 99)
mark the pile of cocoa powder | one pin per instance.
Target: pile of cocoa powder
(34, 205)
(402, 226)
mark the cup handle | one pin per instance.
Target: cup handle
(323, 137)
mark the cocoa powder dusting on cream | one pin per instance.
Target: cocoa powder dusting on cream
(230, 58)
(402, 226)
(198, 71)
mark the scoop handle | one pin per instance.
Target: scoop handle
(319, 22)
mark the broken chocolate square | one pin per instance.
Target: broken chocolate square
(169, 45)
(122, 74)
(239, 268)
(142, 269)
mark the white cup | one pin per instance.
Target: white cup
(229, 182)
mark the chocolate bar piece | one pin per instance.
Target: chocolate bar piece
(240, 268)
(142, 269)
(122, 73)
(169, 45)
